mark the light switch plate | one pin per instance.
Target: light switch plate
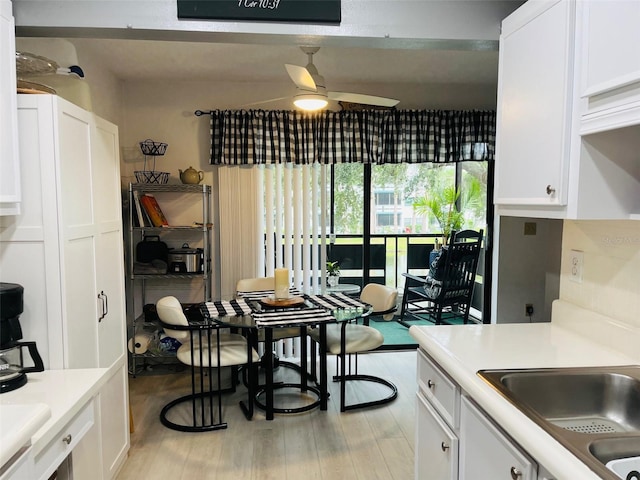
(576, 259)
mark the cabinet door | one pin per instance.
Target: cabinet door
(612, 38)
(79, 237)
(534, 105)
(110, 255)
(114, 422)
(10, 194)
(486, 453)
(436, 445)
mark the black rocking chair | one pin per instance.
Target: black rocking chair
(445, 293)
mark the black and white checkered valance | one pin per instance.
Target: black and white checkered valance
(254, 137)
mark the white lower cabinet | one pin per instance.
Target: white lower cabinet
(455, 440)
(438, 453)
(485, 452)
(64, 442)
(21, 467)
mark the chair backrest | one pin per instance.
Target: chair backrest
(382, 298)
(255, 284)
(458, 274)
(170, 311)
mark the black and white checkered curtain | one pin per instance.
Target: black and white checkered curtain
(262, 137)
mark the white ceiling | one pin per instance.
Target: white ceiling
(165, 60)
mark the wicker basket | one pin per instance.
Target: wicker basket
(149, 176)
(149, 147)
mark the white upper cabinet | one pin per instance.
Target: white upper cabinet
(10, 195)
(568, 131)
(610, 86)
(534, 105)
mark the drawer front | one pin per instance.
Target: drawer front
(436, 454)
(58, 449)
(439, 389)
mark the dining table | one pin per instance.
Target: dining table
(255, 312)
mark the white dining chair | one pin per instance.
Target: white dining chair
(204, 348)
(350, 338)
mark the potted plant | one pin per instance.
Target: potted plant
(333, 273)
(443, 206)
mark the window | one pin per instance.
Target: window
(393, 221)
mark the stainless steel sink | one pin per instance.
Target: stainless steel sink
(594, 412)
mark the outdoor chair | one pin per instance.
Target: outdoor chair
(445, 293)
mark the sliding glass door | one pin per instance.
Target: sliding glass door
(382, 224)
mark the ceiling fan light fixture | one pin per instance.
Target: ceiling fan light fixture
(310, 101)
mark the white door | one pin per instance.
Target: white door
(78, 232)
(110, 254)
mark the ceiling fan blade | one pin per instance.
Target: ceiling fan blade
(365, 99)
(301, 77)
(266, 101)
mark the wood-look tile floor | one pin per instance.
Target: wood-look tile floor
(373, 443)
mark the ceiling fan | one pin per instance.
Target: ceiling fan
(312, 93)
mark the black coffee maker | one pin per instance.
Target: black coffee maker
(13, 363)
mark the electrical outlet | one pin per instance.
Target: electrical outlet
(528, 309)
(576, 261)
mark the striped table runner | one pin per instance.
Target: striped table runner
(331, 301)
(258, 294)
(293, 317)
(228, 309)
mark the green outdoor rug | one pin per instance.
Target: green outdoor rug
(396, 336)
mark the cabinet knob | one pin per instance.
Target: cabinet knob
(550, 190)
(515, 473)
(430, 384)
(67, 439)
(444, 447)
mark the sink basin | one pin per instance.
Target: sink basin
(581, 401)
(594, 411)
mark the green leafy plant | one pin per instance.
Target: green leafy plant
(333, 268)
(443, 206)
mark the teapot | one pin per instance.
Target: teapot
(191, 176)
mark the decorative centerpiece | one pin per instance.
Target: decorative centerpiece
(333, 273)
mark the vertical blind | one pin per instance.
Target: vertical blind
(273, 216)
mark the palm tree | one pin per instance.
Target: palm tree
(443, 205)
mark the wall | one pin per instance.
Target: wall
(106, 88)
(611, 273)
(528, 269)
(399, 23)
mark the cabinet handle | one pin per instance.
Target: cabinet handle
(550, 190)
(515, 473)
(444, 447)
(430, 384)
(67, 439)
(105, 305)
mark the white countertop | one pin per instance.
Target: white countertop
(61, 392)
(462, 350)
